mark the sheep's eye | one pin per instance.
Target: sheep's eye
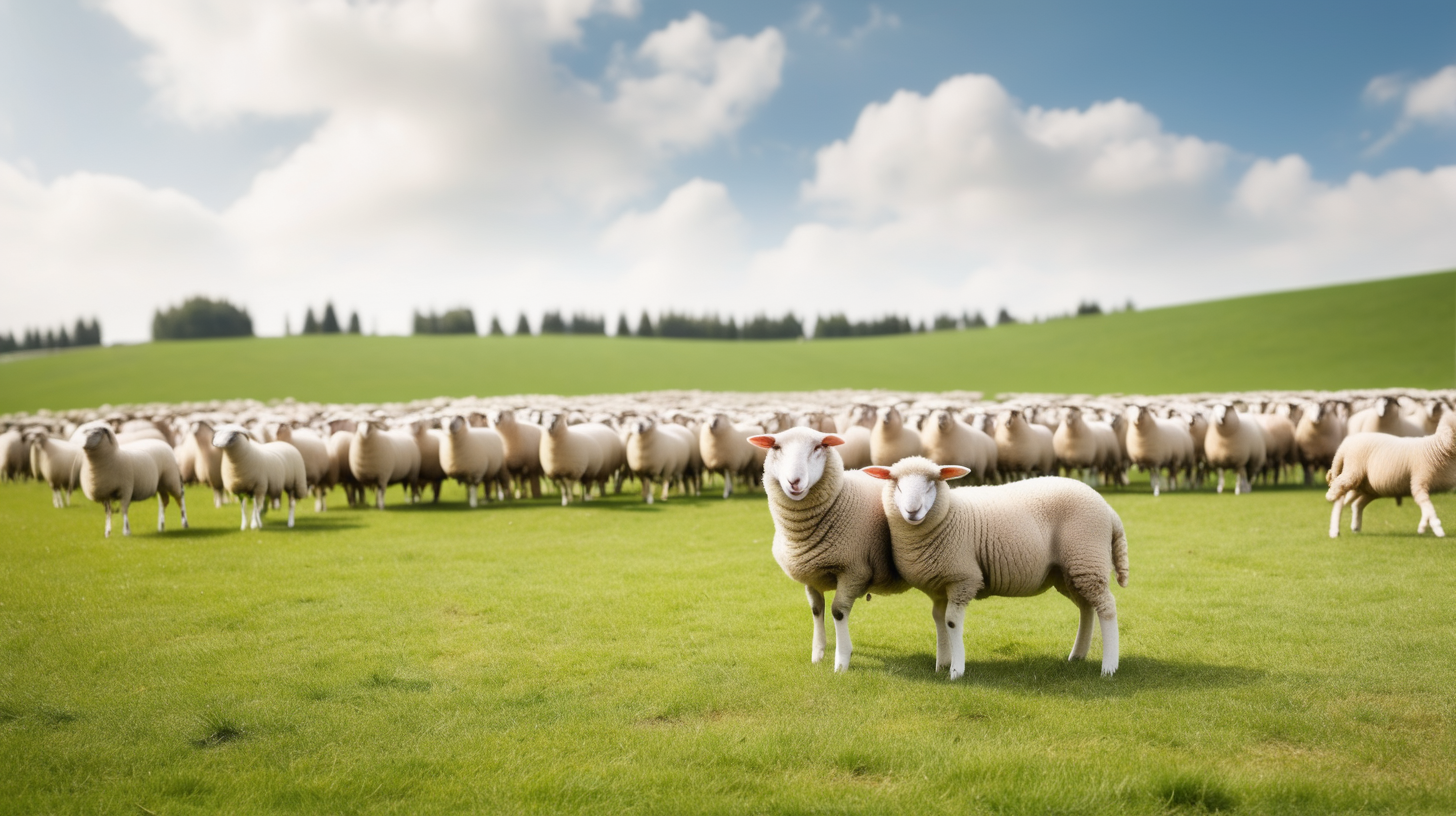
(775, 447)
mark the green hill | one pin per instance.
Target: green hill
(1399, 332)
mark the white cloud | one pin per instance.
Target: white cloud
(690, 250)
(815, 19)
(1429, 101)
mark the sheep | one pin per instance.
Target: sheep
(570, 455)
(472, 456)
(891, 440)
(1076, 445)
(614, 456)
(1022, 447)
(1383, 417)
(428, 440)
(1371, 466)
(1198, 432)
(265, 471)
(1425, 414)
(1156, 444)
(725, 449)
(379, 458)
(340, 441)
(1279, 445)
(947, 439)
(16, 463)
(56, 461)
(124, 473)
(320, 470)
(1320, 431)
(856, 447)
(1013, 540)
(829, 530)
(523, 450)
(1234, 442)
(655, 453)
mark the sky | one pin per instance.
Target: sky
(611, 156)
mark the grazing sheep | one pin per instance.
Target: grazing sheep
(1235, 442)
(1022, 447)
(523, 450)
(570, 455)
(656, 453)
(891, 440)
(57, 462)
(1015, 540)
(472, 456)
(432, 472)
(1319, 434)
(726, 450)
(1370, 466)
(1383, 417)
(1157, 444)
(379, 458)
(320, 470)
(124, 473)
(947, 439)
(265, 471)
(829, 530)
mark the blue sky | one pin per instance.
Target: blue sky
(220, 184)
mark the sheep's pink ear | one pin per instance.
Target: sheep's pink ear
(877, 472)
(953, 472)
(764, 441)
(832, 440)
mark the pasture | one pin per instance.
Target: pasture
(1399, 332)
(619, 658)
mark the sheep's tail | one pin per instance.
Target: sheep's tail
(1332, 478)
(1119, 550)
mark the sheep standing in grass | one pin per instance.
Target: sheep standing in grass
(340, 441)
(320, 470)
(1078, 446)
(16, 457)
(265, 471)
(656, 453)
(614, 456)
(570, 456)
(829, 530)
(1384, 417)
(379, 458)
(1156, 445)
(1370, 466)
(472, 456)
(1015, 540)
(523, 450)
(726, 450)
(136, 471)
(891, 440)
(1234, 442)
(1023, 448)
(57, 462)
(1320, 431)
(206, 458)
(947, 439)
(428, 439)
(1280, 450)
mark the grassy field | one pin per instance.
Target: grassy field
(618, 658)
(1399, 332)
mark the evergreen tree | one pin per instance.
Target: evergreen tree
(330, 324)
(495, 327)
(8, 344)
(551, 323)
(523, 326)
(644, 326)
(354, 327)
(1004, 318)
(63, 340)
(976, 321)
(623, 330)
(310, 324)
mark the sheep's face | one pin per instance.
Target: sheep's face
(914, 485)
(1381, 406)
(98, 435)
(553, 421)
(229, 436)
(796, 458)
(457, 424)
(1072, 415)
(942, 420)
(889, 417)
(1221, 414)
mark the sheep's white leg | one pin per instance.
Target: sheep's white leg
(126, 517)
(182, 503)
(727, 484)
(379, 496)
(1109, 643)
(1153, 477)
(107, 505)
(1357, 511)
(955, 618)
(243, 508)
(1335, 514)
(1084, 632)
(470, 493)
(842, 645)
(161, 512)
(1244, 485)
(259, 501)
(816, 609)
(942, 635)
(1428, 514)
(646, 490)
(292, 503)
(666, 485)
(216, 498)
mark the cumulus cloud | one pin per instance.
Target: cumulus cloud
(815, 19)
(1427, 101)
(690, 249)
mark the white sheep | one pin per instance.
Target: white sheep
(656, 452)
(124, 473)
(1023, 447)
(614, 456)
(1157, 444)
(829, 530)
(16, 457)
(1371, 466)
(570, 456)
(523, 450)
(320, 470)
(726, 450)
(264, 471)
(1234, 442)
(946, 439)
(1320, 431)
(1015, 540)
(340, 442)
(472, 456)
(379, 457)
(1383, 417)
(56, 462)
(891, 440)
(428, 439)
(1280, 450)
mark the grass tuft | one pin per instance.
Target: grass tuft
(218, 729)
(1196, 793)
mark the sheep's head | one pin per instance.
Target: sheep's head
(553, 421)
(96, 435)
(1071, 415)
(719, 422)
(796, 458)
(228, 436)
(942, 419)
(456, 424)
(915, 483)
(889, 416)
(368, 427)
(1224, 415)
(1382, 405)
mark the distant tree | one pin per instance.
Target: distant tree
(455, 321)
(644, 326)
(523, 326)
(1088, 307)
(8, 344)
(330, 323)
(551, 323)
(763, 327)
(587, 324)
(86, 334)
(310, 324)
(495, 327)
(623, 330)
(837, 325)
(201, 317)
(1004, 318)
(354, 327)
(975, 321)
(707, 327)
(946, 322)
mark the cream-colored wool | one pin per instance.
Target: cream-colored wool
(1234, 442)
(379, 458)
(1425, 414)
(1023, 448)
(186, 455)
(1156, 445)
(124, 473)
(891, 440)
(857, 415)
(1280, 451)
(1320, 431)
(692, 481)
(570, 456)
(1198, 430)
(829, 530)
(340, 441)
(1370, 466)
(614, 456)
(523, 450)
(855, 452)
(57, 463)
(946, 439)
(1015, 540)
(1383, 417)
(428, 439)
(656, 453)
(473, 457)
(206, 459)
(1076, 444)
(321, 470)
(135, 429)
(264, 471)
(726, 450)
(16, 463)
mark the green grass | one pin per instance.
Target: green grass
(1399, 332)
(616, 658)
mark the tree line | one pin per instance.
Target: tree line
(82, 334)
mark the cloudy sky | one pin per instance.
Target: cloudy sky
(615, 155)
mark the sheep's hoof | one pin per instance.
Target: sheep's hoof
(1108, 671)
(956, 674)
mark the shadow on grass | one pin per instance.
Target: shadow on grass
(1049, 674)
(625, 503)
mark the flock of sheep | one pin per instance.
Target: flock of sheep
(861, 485)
